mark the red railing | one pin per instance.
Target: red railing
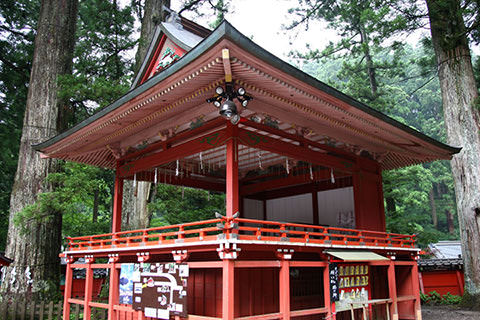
(246, 229)
(250, 229)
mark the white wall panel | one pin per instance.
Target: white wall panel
(336, 208)
(252, 209)
(291, 209)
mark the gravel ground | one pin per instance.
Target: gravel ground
(448, 313)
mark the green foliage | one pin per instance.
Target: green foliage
(102, 66)
(412, 96)
(215, 10)
(364, 28)
(434, 298)
(17, 32)
(80, 192)
(173, 205)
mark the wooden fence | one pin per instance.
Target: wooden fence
(35, 310)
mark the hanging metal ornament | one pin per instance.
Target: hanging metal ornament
(287, 166)
(311, 172)
(260, 160)
(332, 177)
(177, 170)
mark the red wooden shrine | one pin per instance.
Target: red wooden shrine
(301, 170)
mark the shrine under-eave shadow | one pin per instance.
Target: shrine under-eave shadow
(303, 235)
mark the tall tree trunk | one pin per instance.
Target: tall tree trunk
(135, 211)
(36, 269)
(450, 226)
(433, 207)
(153, 14)
(462, 120)
(96, 200)
(372, 78)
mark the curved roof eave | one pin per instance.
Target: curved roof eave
(226, 30)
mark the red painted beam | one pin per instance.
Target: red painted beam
(304, 180)
(263, 142)
(185, 181)
(210, 125)
(294, 137)
(205, 142)
(257, 264)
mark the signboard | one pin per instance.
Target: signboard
(353, 284)
(128, 273)
(333, 279)
(162, 291)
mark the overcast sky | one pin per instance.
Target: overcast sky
(263, 21)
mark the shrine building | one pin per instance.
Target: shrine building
(300, 163)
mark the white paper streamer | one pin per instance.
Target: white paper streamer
(156, 176)
(311, 172)
(332, 177)
(177, 170)
(287, 166)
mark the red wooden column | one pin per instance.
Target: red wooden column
(68, 288)
(284, 288)
(88, 288)
(228, 290)
(315, 218)
(326, 293)
(416, 291)
(284, 282)
(117, 204)
(113, 286)
(232, 171)
(232, 195)
(357, 198)
(392, 289)
(460, 282)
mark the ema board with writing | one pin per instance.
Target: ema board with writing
(353, 285)
(162, 292)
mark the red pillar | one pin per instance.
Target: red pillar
(416, 291)
(284, 288)
(357, 199)
(315, 218)
(232, 172)
(113, 288)
(326, 293)
(460, 282)
(392, 288)
(88, 289)
(228, 290)
(117, 204)
(68, 290)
